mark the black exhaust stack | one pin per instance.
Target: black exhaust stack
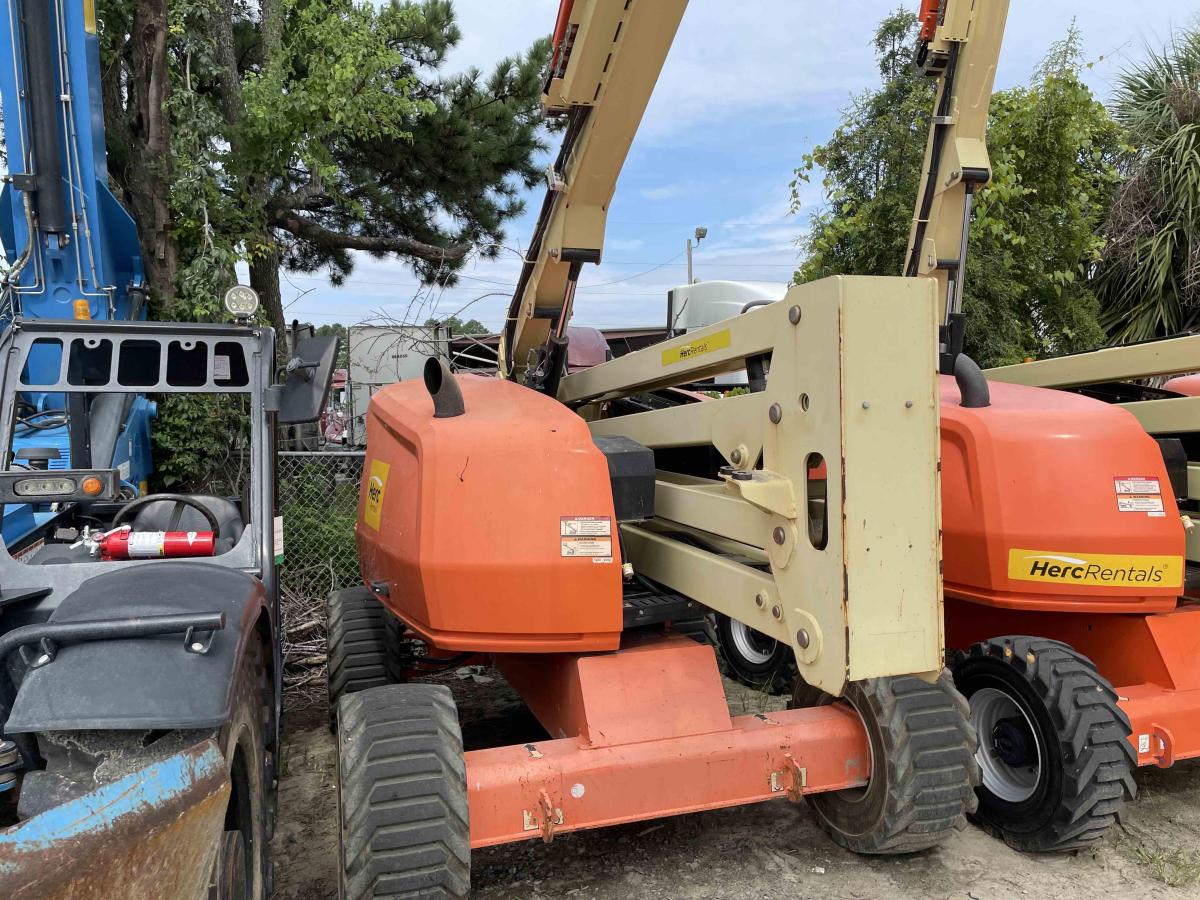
(972, 383)
(443, 388)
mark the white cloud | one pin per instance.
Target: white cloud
(492, 30)
(799, 61)
(666, 192)
(770, 213)
(622, 244)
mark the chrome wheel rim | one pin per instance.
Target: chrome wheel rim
(753, 646)
(1010, 753)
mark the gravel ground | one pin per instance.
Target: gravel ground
(763, 851)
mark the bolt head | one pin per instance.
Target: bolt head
(803, 639)
(775, 413)
(197, 646)
(736, 456)
(908, 404)
(777, 612)
(43, 659)
(794, 315)
(866, 404)
(760, 601)
(778, 535)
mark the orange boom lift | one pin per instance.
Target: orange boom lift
(1070, 632)
(1071, 618)
(525, 518)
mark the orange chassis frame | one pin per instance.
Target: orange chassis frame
(1149, 659)
(644, 732)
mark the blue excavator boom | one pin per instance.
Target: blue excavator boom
(72, 249)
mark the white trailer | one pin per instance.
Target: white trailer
(385, 354)
(704, 303)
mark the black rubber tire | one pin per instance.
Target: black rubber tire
(1087, 776)
(923, 769)
(776, 675)
(402, 794)
(398, 660)
(359, 646)
(244, 740)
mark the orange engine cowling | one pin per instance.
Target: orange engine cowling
(493, 530)
(1054, 501)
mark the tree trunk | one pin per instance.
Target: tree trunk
(264, 278)
(264, 266)
(149, 164)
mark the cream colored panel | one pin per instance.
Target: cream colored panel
(853, 380)
(1168, 357)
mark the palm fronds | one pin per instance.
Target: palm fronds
(1150, 280)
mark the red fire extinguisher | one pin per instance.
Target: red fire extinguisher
(125, 543)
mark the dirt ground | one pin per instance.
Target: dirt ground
(762, 851)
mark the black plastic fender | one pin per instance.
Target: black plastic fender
(146, 682)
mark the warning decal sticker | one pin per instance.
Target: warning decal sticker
(586, 536)
(1137, 484)
(1140, 503)
(1139, 494)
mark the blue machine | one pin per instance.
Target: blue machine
(72, 248)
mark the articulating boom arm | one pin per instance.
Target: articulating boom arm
(960, 44)
(607, 58)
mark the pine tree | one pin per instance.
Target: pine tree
(293, 133)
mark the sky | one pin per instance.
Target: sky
(748, 88)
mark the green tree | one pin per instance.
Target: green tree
(1150, 280)
(296, 132)
(339, 331)
(458, 326)
(1035, 233)
(1036, 237)
(871, 166)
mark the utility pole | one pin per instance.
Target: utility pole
(701, 234)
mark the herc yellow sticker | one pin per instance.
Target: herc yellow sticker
(1095, 569)
(376, 487)
(718, 341)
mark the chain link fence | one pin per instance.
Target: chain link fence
(318, 499)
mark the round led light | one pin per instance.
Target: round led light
(242, 301)
(92, 486)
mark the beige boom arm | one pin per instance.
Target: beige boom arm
(960, 46)
(607, 59)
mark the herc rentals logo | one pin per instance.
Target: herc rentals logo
(376, 485)
(1095, 569)
(718, 341)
